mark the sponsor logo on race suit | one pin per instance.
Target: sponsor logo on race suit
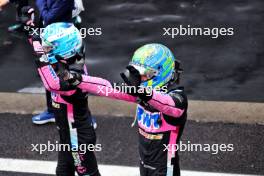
(146, 119)
(54, 75)
(55, 105)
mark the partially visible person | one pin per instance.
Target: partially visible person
(52, 11)
(3, 3)
(71, 110)
(78, 8)
(22, 10)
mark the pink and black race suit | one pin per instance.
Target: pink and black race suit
(73, 120)
(159, 131)
(160, 122)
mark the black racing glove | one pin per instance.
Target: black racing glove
(42, 61)
(75, 78)
(67, 77)
(27, 16)
(132, 78)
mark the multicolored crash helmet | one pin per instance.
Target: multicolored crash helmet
(156, 63)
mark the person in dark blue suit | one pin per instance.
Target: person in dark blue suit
(52, 11)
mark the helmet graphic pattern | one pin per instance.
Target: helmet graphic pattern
(64, 39)
(155, 57)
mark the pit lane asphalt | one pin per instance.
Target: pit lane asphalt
(228, 68)
(119, 143)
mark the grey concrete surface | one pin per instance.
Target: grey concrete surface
(203, 111)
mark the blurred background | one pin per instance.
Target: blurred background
(228, 68)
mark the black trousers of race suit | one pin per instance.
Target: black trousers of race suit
(75, 133)
(146, 170)
(66, 165)
(49, 101)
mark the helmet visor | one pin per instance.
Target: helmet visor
(47, 46)
(146, 73)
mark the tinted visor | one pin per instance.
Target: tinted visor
(147, 73)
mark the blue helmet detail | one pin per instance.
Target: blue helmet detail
(62, 39)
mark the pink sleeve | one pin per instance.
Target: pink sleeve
(51, 80)
(165, 104)
(102, 87)
(37, 47)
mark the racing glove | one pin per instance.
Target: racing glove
(68, 77)
(132, 78)
(42, 61)
(28, 16)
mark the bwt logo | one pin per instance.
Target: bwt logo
(148, 119)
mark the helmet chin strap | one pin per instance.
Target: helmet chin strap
(77, 62)
(176, 75)
(178, 71)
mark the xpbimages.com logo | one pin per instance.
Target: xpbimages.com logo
(51, 147)
(194, 147)
(188, 30)
(133, 90)
(83, 31)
